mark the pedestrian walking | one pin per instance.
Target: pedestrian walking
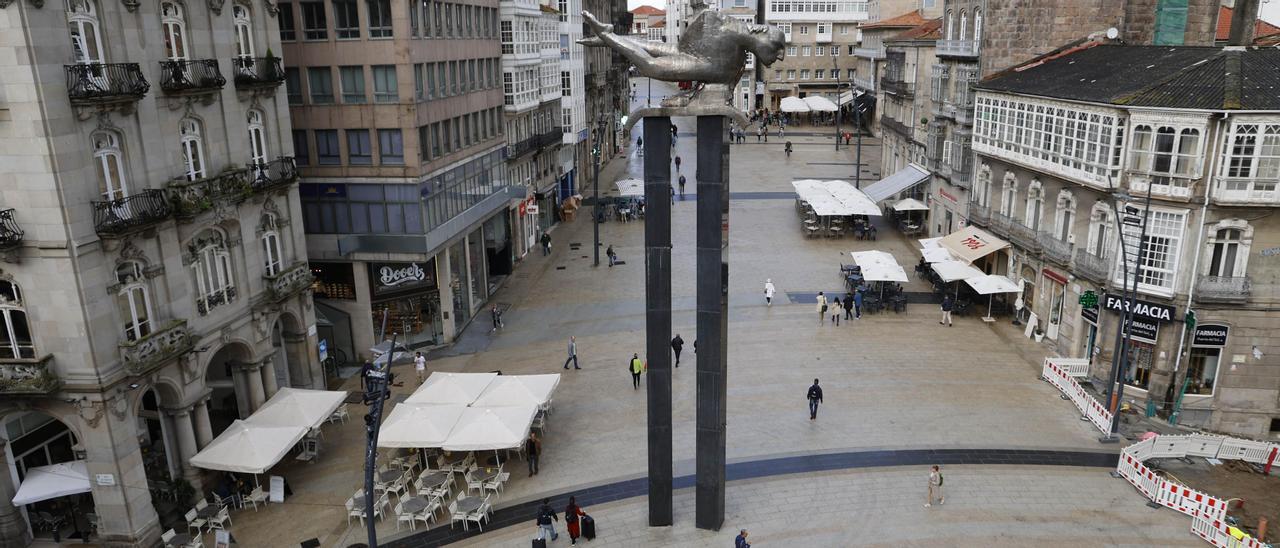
(782, 132)
(759, 133)
(673, 133)
(546, 520)
(815, 397)
(673, 193)
(677, 164)
(766, 133)
(935, 487)
(740, 541)
(822, 308)
(420, 367)
(768, 291)
(532, 449)
(682, 187)
(613, 257)
(636, 367)
(495, 315)
(572, 514)
(947, 305)
(836, 307)
(677, 344)
(848, 307)
(573, 353)
(546, 244)
(857, 304)
(788, 149)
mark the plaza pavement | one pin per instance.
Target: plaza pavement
(890, 380)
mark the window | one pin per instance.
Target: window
(134, 300)
(352, 79)
(1253, 161)
(413, 17)
(175, 31)
(1161, 250)
(327, 147)
(431, 80)
(314, 25)
(435, 140)
(1035, 205)
(819, 51)
(390, 147)
(791, 51)
(850, 74)
(1101, 231)
(1229, 242)
(1167, 150)
(215, 284)
(443, 78)
(257, 137)
(964, 23)
(86, 42)
(1170, 23)
(805, 51)
(823, 29)
(835, 51)
(791, 74)
(192, 142)
(112, 182)
(977, 25)
(951, 24)
(15, 338)
(346, 19)
(379, 18)
(321, 83)
(819, 74)
(385, 88)
(293, 85)
(802, 29)
(1202, 369)
(1070, 140)
(244, 30)
(1066, 215)
(359, 149)
(566, 85)
(804, 74)
(1008, 194)
(419, 85)
(271, 257)
(301, 149)
(288, 29)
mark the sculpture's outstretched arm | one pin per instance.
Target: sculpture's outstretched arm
(657, 62)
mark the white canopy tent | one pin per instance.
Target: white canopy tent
(929, 242)
(971, 243)
(248, 448)
(910, 204)
(901, 180)
(630, 187)
(989, 285)
(419, 425)
(53, 481)
(818, 103)
(508, 390)
(793, 104)
(297, 407)
(491, 428)
(879, 266)
(455, 388)
(846, 97)
(952, 270)
(829, 198)
(936, 254)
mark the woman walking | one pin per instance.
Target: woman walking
(572, 514)
(822, 308)
(835, 311)
(935, 487)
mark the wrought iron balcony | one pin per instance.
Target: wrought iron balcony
(186, 76)
(125, 215)
(190, 198)
(28, 376)
(258, 72)
(549, 138)
(289, 281)
(534, 143)
(10, 232)
(1093, 267)
(144, 355)
(963, 115)
(957, 48)
(892, 124)
(1222, 288)
(278, 173)
(1000, 224)
(105, 83)
(897, 87)
(1054, 249)
(979, 214)
(1023, 236)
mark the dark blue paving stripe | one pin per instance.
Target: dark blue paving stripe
(593, 496)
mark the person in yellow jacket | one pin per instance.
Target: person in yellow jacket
(636, 367)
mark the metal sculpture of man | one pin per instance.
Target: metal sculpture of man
(712, 50)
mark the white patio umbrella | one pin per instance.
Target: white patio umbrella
(952, 270)
(53, 481)
(248, 448)
(793, 104)
(416, 425)
(630, 187)
(910, 204)
(989, 285)
(507, 390)
(929, 243)
(458, 388)
(297, 407)
(491, 428)
(879, 266)
(818, 103)
(935, 255)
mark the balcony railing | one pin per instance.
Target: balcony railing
(1000, 224)
(122, 216)
(536, 142)
(144, 355)
(280, 172)
(979, 214)
(870, 53)
(1054, 249)
(32, 376)
(102, 83)
(1091, 266)
(1222, 288)
(258, 72)
(190, 198)
(892, 124)
(548, 138)
(963, 115)
(897, 87)
(289, 281)
(1023, 236)
(10, 232)
(197, 75)
(1233, 190)
(957, 48)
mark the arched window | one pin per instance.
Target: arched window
(1066, 216)
(86, 41)
(112, 181)
(964, 22)
(977, 25)
(257, 137)
(134, 300)
(175, 31)
(271, 256)
(1229, 248)
(244, 30)
(1102, 231)
(215, 283)
(982, 192)
(15, 337)
(1035, 205)
(192, 149)
(951, 24)
(1009, 194)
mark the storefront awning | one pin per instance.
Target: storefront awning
(905, 178)
(971, 243)
(793, 104)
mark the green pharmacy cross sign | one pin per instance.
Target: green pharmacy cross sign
(1089, 299)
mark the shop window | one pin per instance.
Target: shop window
(15, 338)
(1141, 361)
(1202, 370)
(134, 300)
(334, 280)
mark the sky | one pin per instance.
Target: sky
(661, 4)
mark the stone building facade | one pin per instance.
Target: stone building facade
(155, 283)
(821, 39)
(904, 105)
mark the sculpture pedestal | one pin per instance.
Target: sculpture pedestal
(657, 277)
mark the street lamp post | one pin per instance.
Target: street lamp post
(857, 160)
(1124, 331)
(835, 69)
(595, 162)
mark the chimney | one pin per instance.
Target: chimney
(1244, 17)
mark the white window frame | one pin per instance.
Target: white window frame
(135, 301)
(1256, 174)
(257, 137)
(1102, 231)
(243, 22)
(215, 280)
(82, 20)
(1065, 216)
(1008, 195)
(964, 22)
(114, 183)
(272, 255)
(9, 309)
(1034, 205)
(192, 142)
(982, 190)
(174, 26)
(1239, 267)
(1081, 143)
(1166, 233)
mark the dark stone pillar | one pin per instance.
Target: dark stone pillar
(13, 530)
(713, 292)
(657, 278)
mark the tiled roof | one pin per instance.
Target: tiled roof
(929, 30)
(648, 10)
(906, 20)
(1186, 77)
(658, 24)
(548, 9)
(1262, 28)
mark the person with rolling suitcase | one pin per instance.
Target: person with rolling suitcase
(578, 523)
(545, 523)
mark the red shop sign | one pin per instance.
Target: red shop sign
(1054, 276)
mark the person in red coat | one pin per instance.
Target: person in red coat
(571, 514)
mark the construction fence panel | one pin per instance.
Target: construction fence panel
(1246, 450)
(1204, 445)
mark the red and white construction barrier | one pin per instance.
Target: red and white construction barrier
(1207, 512)
(1062, 374)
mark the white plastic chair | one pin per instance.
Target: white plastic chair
(167, 537)
(352, 511)
(496, 483)
(480, 514)
(194, 522)
(476, 484)
(456, 516)
(202, 503)
(398, 489)
(221, 520)
(255, 496)
(340, 414)
(402, 516)
(428, 514)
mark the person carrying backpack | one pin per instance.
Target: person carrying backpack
(815, 397)
(935, 487)
(546, 520)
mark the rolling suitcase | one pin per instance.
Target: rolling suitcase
(588, 524)
(539, 542)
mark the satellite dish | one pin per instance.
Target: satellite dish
(1113, 33)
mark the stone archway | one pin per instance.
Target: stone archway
(30, 439)
(289, 360)
(235, 385)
